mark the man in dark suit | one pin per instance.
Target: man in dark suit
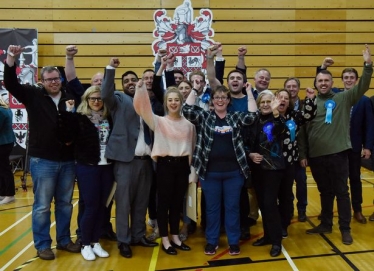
(361, 133)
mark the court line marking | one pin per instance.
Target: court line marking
(154, 258)
(289, 260)
(15, 224)
(28, 246)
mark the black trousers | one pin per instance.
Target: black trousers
(7, 187)
(172, 182)
(331, 175)
(354, 160)
(267, 185)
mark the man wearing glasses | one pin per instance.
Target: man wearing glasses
(51, 161)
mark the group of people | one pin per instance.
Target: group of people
(148, 143)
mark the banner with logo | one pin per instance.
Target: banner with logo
(27, 73)
(184, 36)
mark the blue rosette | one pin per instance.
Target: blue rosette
(329, 105)
(268, 129)
(206, 97)
(291, 125)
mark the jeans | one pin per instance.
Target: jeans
(51, 180)
(228, 184)
(331, 175)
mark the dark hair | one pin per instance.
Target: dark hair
(325, 72)
(49, 69)
(232, 71)
(350, 70)
(187, 82)
(222, 89)
(179, 71)
(297, 80)
(129, 72)
(148, 70)
(291, 104)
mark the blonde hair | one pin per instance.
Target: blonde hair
(3, 103)
(170, 90)
(84, 107)
(262, 94)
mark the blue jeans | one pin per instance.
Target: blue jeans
(228, 184)
(51, 180)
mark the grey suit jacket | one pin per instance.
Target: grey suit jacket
(126, 123)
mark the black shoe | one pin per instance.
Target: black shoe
(170, 250)
(275, 250)
(191, 228)
(347, 238)
(125, 250)
(261, 242)
(319, 229)
(244, 234)
(183, 246)
(284, 233)
(110, 235)
(144, 242)
(302, 217)
(251, 222)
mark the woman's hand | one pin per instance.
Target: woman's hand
(256, 157)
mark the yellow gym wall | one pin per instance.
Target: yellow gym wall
(289, 37)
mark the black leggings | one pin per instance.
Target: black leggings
(172, 183)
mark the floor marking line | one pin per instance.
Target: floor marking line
(15, 224)
(153, 262)
(289, 260)
(27, 247)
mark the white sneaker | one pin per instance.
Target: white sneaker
(87, 253)
(7, 200)
(99, 251)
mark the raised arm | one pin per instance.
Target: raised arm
(107, 87)
(142, 104)
(71, 51)
(252, 106)
(211, 72)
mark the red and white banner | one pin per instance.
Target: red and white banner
(27, 73)
(184, 36)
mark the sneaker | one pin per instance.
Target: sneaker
(70, 247)
(234, 250)
(7, 200)
(152, 223)
(319, 229)
(210, 249)
(46, 254)
(154, 235)
(99, 251)
(347, 238)
(284, 233)
(88, 253)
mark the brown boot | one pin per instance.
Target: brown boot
(359, 217)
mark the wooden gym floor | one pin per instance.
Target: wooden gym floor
(300, 251)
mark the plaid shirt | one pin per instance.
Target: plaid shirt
(205, 124)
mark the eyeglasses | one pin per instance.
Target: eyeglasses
(94, 99)
(50, 80)
(220, 98)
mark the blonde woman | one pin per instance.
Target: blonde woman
(173, 146)
(88, 130)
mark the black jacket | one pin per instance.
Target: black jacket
(43, 117)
